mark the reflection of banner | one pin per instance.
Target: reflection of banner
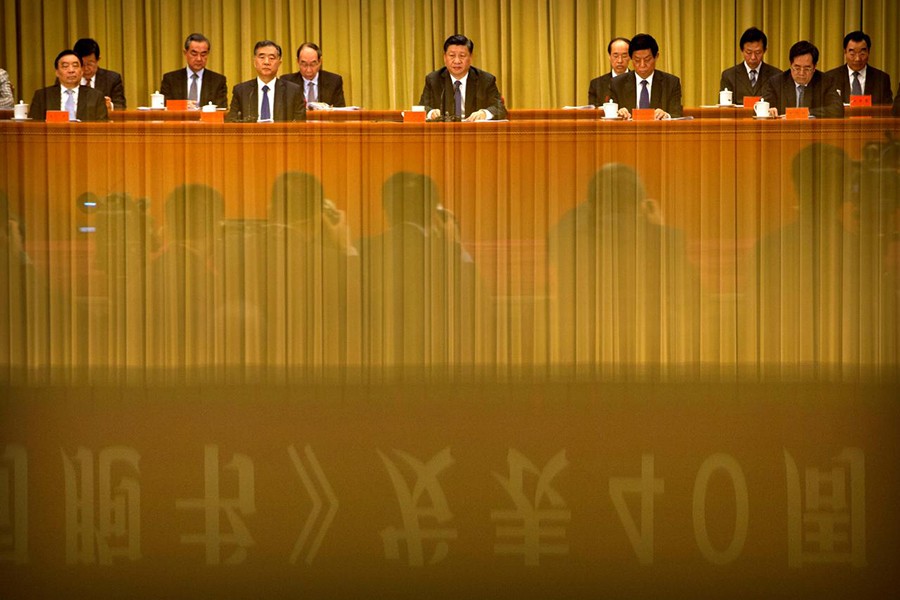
(538, 490)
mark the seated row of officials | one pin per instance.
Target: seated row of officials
(459, 91)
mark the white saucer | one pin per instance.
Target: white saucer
(732, 105)
(25, 119)
(610, 118)
(762, 118)
(150, 108)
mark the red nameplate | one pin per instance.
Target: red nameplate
(797, 112)
(212, 116)
(414, 116)
(749, 101)
(176, 104)
(643, 114)
(861, 100)
(57, 116)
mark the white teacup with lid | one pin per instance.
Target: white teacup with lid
(20, 111)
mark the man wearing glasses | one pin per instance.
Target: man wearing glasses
(803, 86)
(320, 88)
(749, 77)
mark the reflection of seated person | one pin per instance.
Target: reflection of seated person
(879, 264)
(421, 296)
(14, 287)
(185, 277)
(313, 277)
(121, 241)
(808, 269)
(623, 294)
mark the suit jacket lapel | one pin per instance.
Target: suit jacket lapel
(743, 78)
(253, 108)
(445, 97)
(631, 91)
(471, 92)
(657, 92)
(280, 103)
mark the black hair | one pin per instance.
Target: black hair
(857, 36)
(803, 47)
(86, 47)
(66, 53)
(643, 41)
(754, 34)
(459, 40)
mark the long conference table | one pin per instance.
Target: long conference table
(527, 393)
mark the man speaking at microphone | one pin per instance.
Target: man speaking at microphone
(458, 91)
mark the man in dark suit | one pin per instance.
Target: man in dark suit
(658, 90)
(459, 91)
(598, 92)
(255, 100)
(866, 80)
(321, 88)
(803, 86)
(205, 86)
(82, 102)
(749, 77)
(896, 109)
(109, 83)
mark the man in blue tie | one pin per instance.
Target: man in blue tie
(646, 87)
(266, 98)
(82, 102)
(803, 86)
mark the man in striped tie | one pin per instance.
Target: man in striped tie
(748, 77)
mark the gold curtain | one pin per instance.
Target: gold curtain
(544, 52)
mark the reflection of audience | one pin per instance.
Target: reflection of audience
(123, 239)
(312, 277)
(185, 282)
(879, 265)
(624, 295)
(808, 270)
(17, 273)
(421, 297)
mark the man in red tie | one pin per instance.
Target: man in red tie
(109, 83)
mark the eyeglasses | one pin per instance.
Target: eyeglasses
(309, 65)
(804, 70)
